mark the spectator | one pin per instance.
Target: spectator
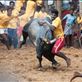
(12, 29)
(43, 14)
(12, 4)
(70, 20)
(3, 26)
(20, 28)
(79, 27)
(79, 20)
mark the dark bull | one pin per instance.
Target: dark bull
(36, 34)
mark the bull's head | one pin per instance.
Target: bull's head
(44, 43)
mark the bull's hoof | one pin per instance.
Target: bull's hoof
(9, 48)
(68, 61)
(40, 69)
(56, 65)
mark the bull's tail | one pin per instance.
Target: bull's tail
(76, 74)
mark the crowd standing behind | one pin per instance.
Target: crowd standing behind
(68, 31)
(17, 14)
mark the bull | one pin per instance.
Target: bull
(37, 33)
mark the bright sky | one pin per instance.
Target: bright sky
(50, 2)
(6, 2)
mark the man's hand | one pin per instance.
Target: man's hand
(41, 23)
(45, 40)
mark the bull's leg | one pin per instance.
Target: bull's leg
(50, 57)
(39, 50)
(40, 61)
(68, 61)
(39, 55)
(25, 35)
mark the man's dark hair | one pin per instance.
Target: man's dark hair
(2, 7)
(55, 11)
(12, 2)
(34, 0)
(8, 7)
(38, 8)
(1, 4)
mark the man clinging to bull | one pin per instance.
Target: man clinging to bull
(58, 34)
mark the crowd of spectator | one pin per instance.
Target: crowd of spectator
(12, 22)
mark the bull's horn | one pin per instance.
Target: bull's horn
(76, 74)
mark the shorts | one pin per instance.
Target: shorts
(68, 29)
(59, 44)
(2, 31)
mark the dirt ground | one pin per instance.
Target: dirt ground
(23, 64)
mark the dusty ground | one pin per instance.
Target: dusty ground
(22, 63)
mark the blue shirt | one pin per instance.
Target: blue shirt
(70, 19)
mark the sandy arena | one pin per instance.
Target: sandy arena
(23, 64)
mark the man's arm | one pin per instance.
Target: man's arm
(65, 17)
(18, 5)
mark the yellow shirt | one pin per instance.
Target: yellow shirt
(39, 2)
(79, 20)
(15, 12)
(4, 19)
(36, 15)
(58, 31)
(13, 23)
(18, 5)
(30, 8)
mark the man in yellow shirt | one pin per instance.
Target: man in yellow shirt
(30, 10)
(79, 20)
(58, 33)
(4, 19)
(3, 26)
(41, 13)
(79, 26)
(17, 7)
(13, 11)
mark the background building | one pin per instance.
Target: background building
(80, 6)
(63, 5)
